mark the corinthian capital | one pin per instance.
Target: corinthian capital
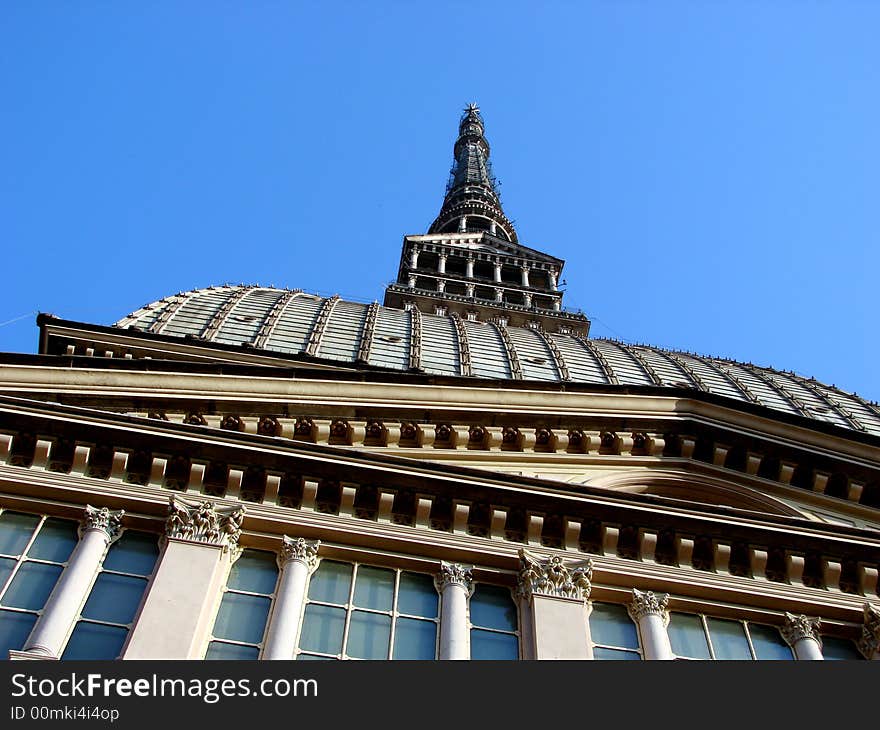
(101, 518)
(552, 577)
(299, 549)
(204, 523)
(798, 627)
(454, 574)
(869, 644)
(647, 603)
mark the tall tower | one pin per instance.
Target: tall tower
(471, 263)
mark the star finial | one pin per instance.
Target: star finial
(472, 108)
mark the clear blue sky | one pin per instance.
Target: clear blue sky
(710, 171)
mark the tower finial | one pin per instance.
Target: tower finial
(472, 201)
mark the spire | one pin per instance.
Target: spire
(472, 201)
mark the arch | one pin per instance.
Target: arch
(697, 488)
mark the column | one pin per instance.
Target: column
(801, 633)
(525, 275)
(527, 299)
(441, 285)
(650, 612)
(298, 558)
(99, 528)
(551, 276)
(462, 224)
(201, 540)
(869, 644)
(414, 257)
(499, 295)
(554, 601)
(497, 271)
(441, 263)
(470, 290)
(469, 267)
(411, 281)
(455, 584)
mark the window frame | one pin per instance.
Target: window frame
(23, 558)
(349, 607)
(707, 635)
(594, 644)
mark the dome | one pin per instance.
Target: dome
(296, 323)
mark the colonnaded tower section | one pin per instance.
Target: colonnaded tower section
(470, 264)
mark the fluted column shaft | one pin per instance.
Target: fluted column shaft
(454, 582)
(650, 612)
(298, 558)
(99, 528)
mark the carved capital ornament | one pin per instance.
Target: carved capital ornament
(300, 550)
(648, 603)
(454, 574)
(552, 577)
(795, 628)
(869, 644)
(204, 523)
(101, 518)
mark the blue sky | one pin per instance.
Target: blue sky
(708, 170)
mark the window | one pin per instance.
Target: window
(613, 632)
(363, 612)
(695, 636)
(835, 648)
(33, 552)
(110, 609)
(244, 609)
(493, 623)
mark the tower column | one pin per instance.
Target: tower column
(441, 285)
(801, 633)
(525, 275)
(551, 276)
(455, 584)
(527, 298)
(499, 295)
(99, 528)
(297, 559)
(441, 263)
(414, 257)
(650, 614)
(498, 271)
(470, 290)
(469, 267)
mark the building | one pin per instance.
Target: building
(250, 472)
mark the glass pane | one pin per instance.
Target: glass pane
(610, 624)
(6, 566)
(14, 629)
(728, 639)
(219, 650)
(15, 531)
(331, 582)
(255, 571)
(55, 541)
(601, 653)
(369, 635)
(114, 598)
(417, 595)
(94, 641)
(134, 552)
(687, 637)
(322, 629)
(31, 586)
(374, 588)
(414, 639)
(493, 608)
(489, 645)
(768, 642)
(835, 648)
(242, 618)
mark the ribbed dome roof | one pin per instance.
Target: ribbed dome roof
(293, 322)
